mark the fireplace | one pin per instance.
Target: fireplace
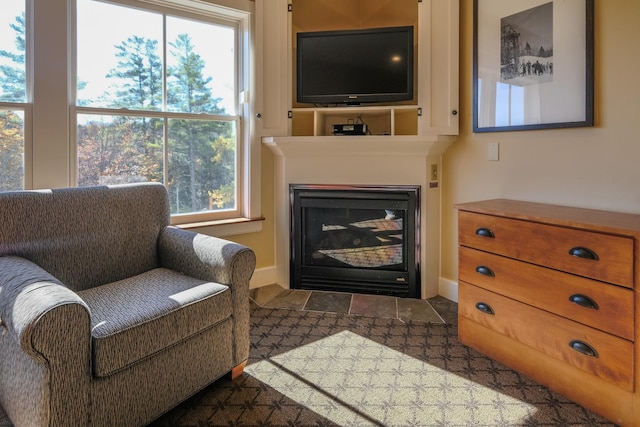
(362, 239)
(369, 160)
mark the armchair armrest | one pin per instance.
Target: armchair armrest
(45, 346)
(206, 257)
(217, 260)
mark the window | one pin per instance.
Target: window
(157, 100)
(73, 111)
(13, 94)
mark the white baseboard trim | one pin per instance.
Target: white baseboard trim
(448, 289)
(263, 277)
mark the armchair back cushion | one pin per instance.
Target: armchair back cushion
(124, 232)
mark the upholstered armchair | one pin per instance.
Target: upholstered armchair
(108, 315)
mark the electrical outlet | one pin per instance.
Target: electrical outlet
(434, 172)
(493, 151)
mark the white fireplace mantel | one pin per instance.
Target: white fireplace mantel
(369, 145)
(365, 160)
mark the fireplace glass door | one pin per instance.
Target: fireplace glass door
(355, 239)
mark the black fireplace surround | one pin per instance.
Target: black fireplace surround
(362, 239)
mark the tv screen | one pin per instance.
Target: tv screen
(355, 66)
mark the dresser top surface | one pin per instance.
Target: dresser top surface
(567, 216)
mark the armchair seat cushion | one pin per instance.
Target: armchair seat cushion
(134, 318)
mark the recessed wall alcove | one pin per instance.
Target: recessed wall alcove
(408, 138)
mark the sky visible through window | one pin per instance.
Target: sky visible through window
(102, 26)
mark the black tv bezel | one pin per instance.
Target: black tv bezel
(351, 98)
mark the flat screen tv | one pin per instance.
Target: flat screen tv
(355, 66)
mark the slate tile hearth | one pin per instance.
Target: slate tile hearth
(333, 302)
(405, 309)
(382, 306)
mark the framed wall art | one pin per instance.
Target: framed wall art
(532, 64)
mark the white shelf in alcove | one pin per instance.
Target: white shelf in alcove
(355, 145)
(355, 114)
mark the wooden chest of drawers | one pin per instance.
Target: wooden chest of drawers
(551, 292)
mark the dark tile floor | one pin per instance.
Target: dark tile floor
(405, 309)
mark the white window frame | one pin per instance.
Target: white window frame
(50, 124)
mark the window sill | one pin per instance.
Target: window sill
(226, 227)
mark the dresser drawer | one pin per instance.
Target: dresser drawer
(597, 304)
(599, 256)
(612, 357)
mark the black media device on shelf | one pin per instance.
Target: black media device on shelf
(350, 129)
(355, 66)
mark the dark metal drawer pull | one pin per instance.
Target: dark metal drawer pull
(583, 347)
(485, 271)
(485, 232)
(484, 307)
(583, 301)
(584, 253)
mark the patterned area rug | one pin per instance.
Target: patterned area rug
(323, 369)
(310, 368)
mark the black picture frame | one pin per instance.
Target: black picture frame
(532, 64)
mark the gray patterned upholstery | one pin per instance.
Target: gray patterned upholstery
(108, 315)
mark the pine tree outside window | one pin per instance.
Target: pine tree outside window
(157, 100)
(14, 106)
